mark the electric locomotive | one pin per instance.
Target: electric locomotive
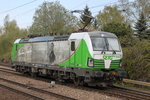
(92, 58)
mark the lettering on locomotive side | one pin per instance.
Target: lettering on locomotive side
(108, 57)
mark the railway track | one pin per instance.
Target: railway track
(121, 92)
(5, 64)
(45, 93)
(21, 92)
(132, 93)
(10, 71)
(116, 91)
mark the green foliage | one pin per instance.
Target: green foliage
(52, 17)
(136, 60)
(141, 5)
(86, 17)
(111, 20)
(109, 15)
(120, 29)
(147, 35)
(141, 26)
(10, 32)
(127, 41)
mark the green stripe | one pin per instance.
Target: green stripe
(115, 61)
(80, 57)
(114, 65)
(16, 47)
(98, 66)
(99, 59)
(98, 63)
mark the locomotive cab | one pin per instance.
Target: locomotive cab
(104, 55)
(107, 55)
(106, 47)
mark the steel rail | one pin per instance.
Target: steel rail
(39, 89)
(146, 84)
(7, 69)
(117, 91)
(5, 64)
(145, 93)
(132, 93)
(21, 92)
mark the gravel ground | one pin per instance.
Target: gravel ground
(43, 95)
(61, 89)
(6, 94)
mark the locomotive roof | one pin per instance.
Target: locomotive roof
(44, 38)
(91, 34)
(101, 34)
(59, 38)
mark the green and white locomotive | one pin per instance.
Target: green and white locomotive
(92, 58)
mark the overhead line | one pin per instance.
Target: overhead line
(24, 13)
(85, 1)
(102, 5)
(108, 4)
(17, 7)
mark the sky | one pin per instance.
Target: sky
(24, 15)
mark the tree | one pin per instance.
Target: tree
(120, 29)
(10, 32)
(109, 15)
(111, 20)
(136, 60)
(141, 26)
(141, 6)
(86, 17)
(148, 34)
(1, 30)
(135, 8)
(125, 7)
(51, 17)
(132, 10)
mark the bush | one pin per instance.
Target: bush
(136, 60)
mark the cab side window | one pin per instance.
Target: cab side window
(73, 46)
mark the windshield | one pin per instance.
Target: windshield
(105, 44)
(113, 44)
(99, 44)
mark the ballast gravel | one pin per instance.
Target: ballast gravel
(6, 94)
(60, 89)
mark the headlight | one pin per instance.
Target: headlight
(90, 62)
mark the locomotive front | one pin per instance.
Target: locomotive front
(107, 56)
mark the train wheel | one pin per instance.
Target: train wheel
(33, 75)
(78, 81)
(16, 69)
